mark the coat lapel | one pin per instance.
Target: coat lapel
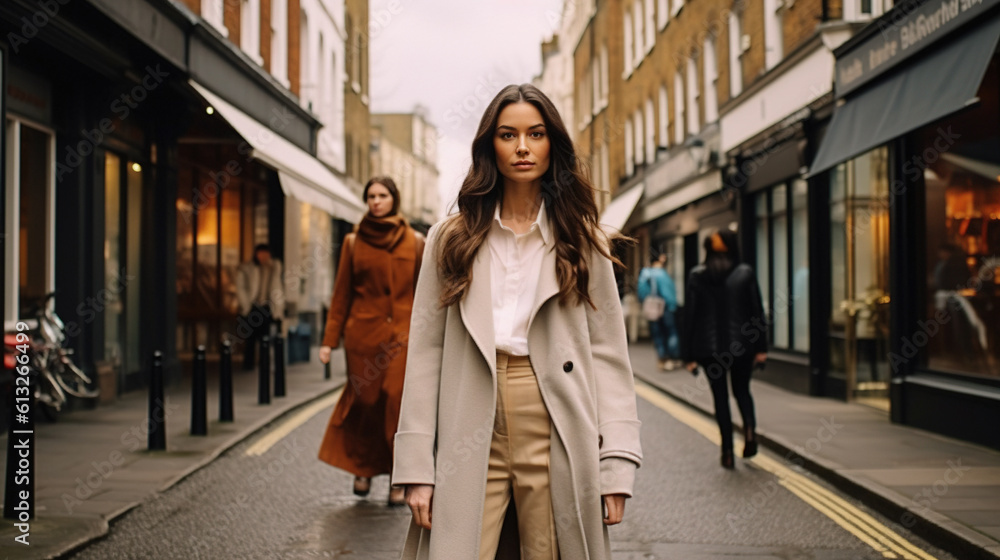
(477, 308)
(548, 284)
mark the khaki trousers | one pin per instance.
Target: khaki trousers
(519, 464)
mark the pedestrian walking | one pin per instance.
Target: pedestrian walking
(519, 391)
(260, 292)
(726, 334)
(370, 313)
(658, 295)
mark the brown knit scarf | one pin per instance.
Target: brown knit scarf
(383, 233)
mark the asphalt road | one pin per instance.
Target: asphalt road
(286, 504)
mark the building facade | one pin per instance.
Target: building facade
(404, 147)
(149, 147)
(869, 223)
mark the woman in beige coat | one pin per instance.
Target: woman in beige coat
(518, 389)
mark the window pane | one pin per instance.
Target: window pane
(133, 225)
(34, 212)
(230, 248)
(112, 257)
(780, 271)
(800, 264)
(778, 199)
(763, 264)
(963, 241)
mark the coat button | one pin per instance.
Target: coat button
(600, 442)
(568, 367)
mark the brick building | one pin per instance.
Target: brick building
(709, 114)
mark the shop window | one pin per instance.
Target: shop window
(122, 267)
(782, 262)
(34, 223)
(799, 264)
(112, 258)
(859, 268)
(217, 229)
(960, 162)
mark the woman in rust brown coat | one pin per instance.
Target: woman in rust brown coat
(370, 311)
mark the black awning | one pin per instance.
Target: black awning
(943, 81)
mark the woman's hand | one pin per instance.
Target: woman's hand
(614, 508)
(324, 354)
(420, 497)
(760, 358)
(691, 366)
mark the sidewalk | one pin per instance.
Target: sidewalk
(92, 466)
(944, 490)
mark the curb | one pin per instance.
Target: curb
(104, 525)
(938, 530)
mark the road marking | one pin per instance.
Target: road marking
(286, 427)
(863, 526)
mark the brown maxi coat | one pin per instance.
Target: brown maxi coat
(580, 356)
(370, 309)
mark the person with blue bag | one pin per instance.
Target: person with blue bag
(659, 303)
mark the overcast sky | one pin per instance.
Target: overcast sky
(452, 57)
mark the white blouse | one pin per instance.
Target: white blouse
(515, 261)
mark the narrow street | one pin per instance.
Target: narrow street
(270, 497)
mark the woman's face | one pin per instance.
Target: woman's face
(521, 143)
(379, 200)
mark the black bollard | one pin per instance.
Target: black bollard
(279, 366)
(264, 375)
(157, 433)
(199, 395)
(226, 382)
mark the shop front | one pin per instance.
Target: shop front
(914, 195)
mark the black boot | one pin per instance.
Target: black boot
(727, 460)
(749, 442)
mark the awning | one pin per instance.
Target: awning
(943, 81)
(620, 209)
(302, 176)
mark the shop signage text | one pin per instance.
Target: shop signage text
(902, 33)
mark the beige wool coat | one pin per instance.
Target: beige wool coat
(580, 357)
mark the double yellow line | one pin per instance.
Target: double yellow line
(863, 526)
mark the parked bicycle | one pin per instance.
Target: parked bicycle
(55, 376)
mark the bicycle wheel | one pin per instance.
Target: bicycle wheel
(72, 379)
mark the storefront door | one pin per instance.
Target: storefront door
(859, 252)
(122, 235)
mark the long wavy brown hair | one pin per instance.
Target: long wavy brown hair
(574, 221)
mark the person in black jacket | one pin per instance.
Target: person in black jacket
(726, 332)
